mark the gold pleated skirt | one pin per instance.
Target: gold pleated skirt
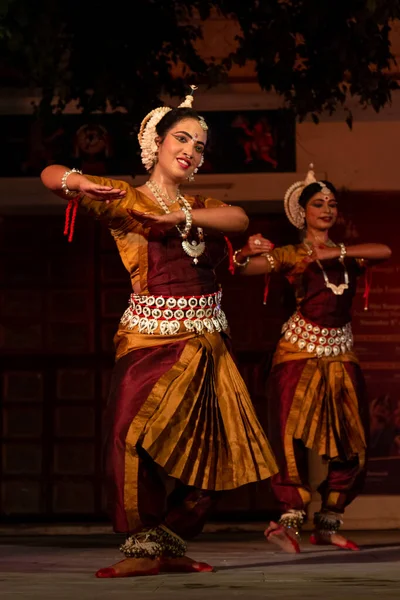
(199, 424)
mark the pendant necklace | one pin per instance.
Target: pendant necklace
(195, 248)
(336, 289)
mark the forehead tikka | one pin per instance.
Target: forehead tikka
(324, 190)
(193, 138)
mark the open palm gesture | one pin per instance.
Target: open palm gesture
(157, 223)
(100, 192)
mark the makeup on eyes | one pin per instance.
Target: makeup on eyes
(199, 146)
(319, 202)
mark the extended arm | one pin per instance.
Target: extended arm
(369, 252)
(229, 219)
(53, 178)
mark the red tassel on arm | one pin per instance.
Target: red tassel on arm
(230, 255)
(70, 217)
(266, 288)
(267, 280)
(367, 288)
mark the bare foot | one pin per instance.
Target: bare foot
(282, 537)
(131, 567)
(183, 565)
(321, 538)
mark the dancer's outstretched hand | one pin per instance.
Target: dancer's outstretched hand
(92, 190)
(159, 223)
(256, 245)
(324, 253)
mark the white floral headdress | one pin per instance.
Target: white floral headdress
(295, 212)
(147, 133)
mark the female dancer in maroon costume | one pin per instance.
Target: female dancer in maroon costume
(316, 388)
(178, 407)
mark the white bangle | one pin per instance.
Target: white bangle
(188, 222)
(343, 252)
(64, 186)
(239, 264)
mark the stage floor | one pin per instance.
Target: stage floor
(62, 567)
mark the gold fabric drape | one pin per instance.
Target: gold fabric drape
(324, 413)
(199, 424)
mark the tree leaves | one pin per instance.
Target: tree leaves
(316, 54)
(319, 47)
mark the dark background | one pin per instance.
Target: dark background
(100, 144)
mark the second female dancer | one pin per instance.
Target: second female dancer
(316, 397)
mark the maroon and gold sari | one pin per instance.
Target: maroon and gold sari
(177, 399)
(317, 402)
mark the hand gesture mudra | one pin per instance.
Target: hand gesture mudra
(257, 244)
(157, 223)
(321, 252)
(107, 193)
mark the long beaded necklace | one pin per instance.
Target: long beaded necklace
(194, 249)
(336, 289)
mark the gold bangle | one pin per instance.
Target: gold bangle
(270, 259)
(237, 263)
